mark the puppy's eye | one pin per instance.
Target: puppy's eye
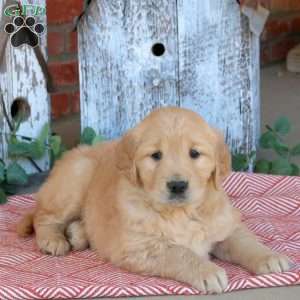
(194, 154)
(157, 155)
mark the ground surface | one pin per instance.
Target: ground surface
(280, 96)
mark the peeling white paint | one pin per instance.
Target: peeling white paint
(21, 76)
(210, 65)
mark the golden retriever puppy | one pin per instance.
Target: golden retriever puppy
(151, 202)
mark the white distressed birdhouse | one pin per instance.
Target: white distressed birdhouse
(22, 82)
(136, 55)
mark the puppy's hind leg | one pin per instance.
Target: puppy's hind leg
(76, 235)
(60, 200)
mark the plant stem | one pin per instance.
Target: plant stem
(35, 165)
(275, 133)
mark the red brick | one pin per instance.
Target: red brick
(280, 5)
(294, 5)
(59, 105)
(72, 43)
(280, 49)
(295, 25)
(75, 102)
(275, 28)
(56, 43)
(64, 73)
(62, 11)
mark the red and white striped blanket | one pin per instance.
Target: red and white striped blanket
(270, 207)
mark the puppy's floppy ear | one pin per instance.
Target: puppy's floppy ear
(222, 160)
(126, 150)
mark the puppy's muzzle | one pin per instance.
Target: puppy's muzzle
(177, 188)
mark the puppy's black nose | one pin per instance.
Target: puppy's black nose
(177, 187)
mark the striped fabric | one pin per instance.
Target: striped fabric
(270, 207)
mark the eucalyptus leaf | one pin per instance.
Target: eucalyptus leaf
(282, 125)
(55, 144)
(37, 149)
(3, 198)
(34, 150)
(281, 167)
(295, 170)
(239, 162)
(44, 134)
(267, 140)
(295, 150)
(281, 149)
(262, 166)
(98, 139)
(18, 149)
(15, 174)
(87, 136)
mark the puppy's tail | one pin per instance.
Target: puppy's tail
(25, 226)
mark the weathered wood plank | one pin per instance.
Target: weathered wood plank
(121, 79)
(211, 65)
(21, 76)
(218, 67)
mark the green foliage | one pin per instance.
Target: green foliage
(98, 139)
(2, 171)
(273, 140)
(15, 174)
(11, 175)
(295, 150)
(281, 166)
(57, 149)
(282, 125)
(34, 149)
(262, 166)
(241, 162)
(24, 148)
(3, 197)
(89, 137)
(2, 179)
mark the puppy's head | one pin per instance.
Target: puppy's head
(174, 156)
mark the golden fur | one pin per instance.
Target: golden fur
(114, 196)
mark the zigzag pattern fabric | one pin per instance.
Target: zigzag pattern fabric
(270, 207)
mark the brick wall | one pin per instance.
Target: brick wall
(282, 31)
(62, 55)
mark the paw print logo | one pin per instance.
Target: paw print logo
(24, 31)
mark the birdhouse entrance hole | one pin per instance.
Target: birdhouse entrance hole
(20, 109)
(158, 49)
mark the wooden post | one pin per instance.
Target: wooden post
(138, 55)
(21, 77)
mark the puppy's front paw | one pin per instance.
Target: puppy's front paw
(212, 279)
(55, 245)
(272, 263)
